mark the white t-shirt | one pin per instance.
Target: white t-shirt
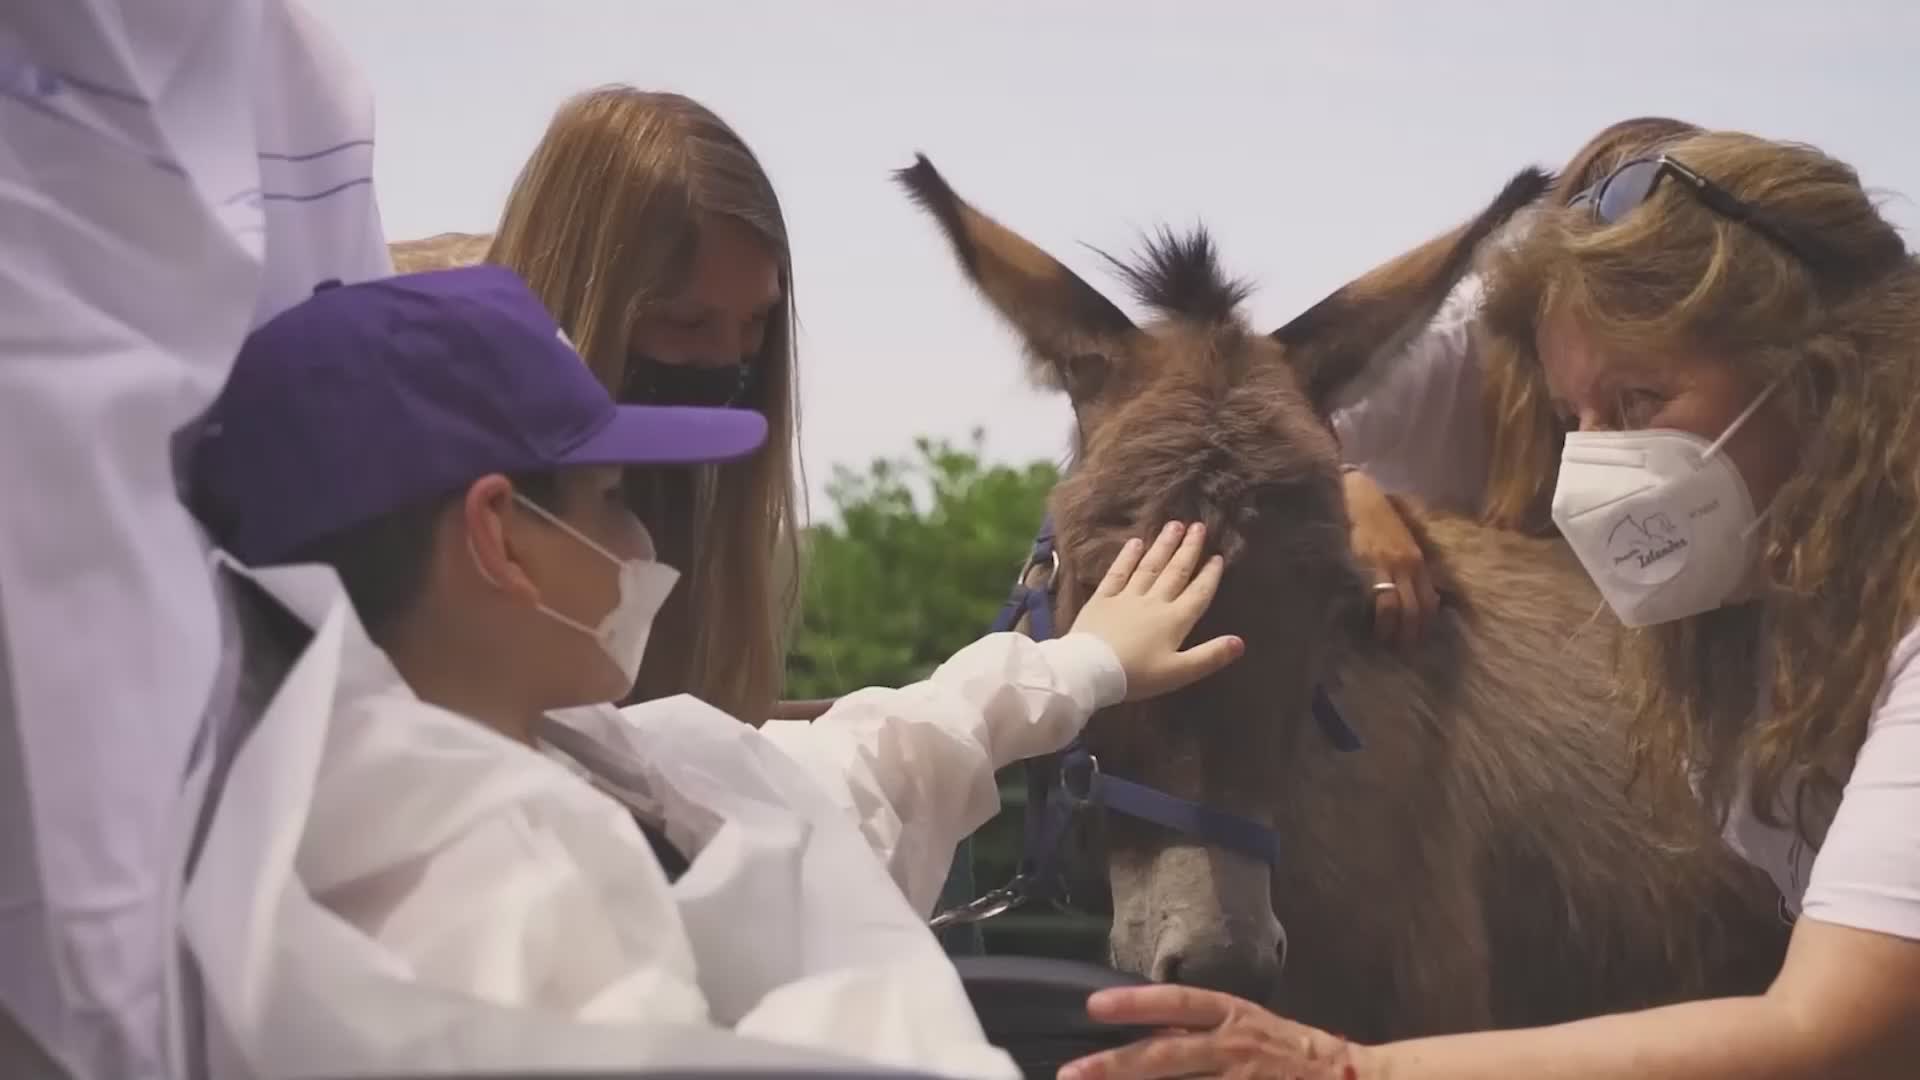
(1866, 874)
(1414, 422)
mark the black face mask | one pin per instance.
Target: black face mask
(652, 382)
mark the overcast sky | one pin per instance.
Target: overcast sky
(1315, 139)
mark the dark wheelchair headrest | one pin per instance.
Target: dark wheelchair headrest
(807, 1073)
(1035, 1008)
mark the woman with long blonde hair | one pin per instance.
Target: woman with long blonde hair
(1729, 329)
(650, 230)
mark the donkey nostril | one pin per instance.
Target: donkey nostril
(1226, 969)
(1166, 968)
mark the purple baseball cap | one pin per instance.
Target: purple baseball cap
(371, 398)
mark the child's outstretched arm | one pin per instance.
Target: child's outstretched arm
(915, 766)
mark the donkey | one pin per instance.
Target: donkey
(1481, 862)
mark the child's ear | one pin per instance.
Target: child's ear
(487, 546)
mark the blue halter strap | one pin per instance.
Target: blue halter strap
(1059, 785)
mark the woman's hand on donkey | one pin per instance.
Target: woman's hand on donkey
(1404, 599)
(1204, 1033)
(1148, 604)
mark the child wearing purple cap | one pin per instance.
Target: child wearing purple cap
(441, 801)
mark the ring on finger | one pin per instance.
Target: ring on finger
(1380, 587)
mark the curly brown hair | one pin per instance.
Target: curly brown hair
(1524, 437)
(1785, 682)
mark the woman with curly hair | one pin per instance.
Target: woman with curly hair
(1730, 331)
(1460, 420)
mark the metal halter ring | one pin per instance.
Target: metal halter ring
(981, 908)
(1053, 571)
(1089, 790)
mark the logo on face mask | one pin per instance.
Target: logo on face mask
(1648, 550)
(1661, 519)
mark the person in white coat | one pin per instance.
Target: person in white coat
(442, 850)
(172, 172)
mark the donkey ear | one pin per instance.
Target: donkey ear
(1072, 332)
(1373, 317)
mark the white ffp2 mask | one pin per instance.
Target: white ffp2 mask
(644, 585)
(1662, 520)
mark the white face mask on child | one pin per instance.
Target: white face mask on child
(1661, 520)
(644, 585)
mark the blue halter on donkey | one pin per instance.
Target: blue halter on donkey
(1061, 784)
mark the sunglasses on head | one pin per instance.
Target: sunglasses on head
(1633, 183)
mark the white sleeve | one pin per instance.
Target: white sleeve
(507, 913)
(1414, 420)
(915, 767)
(1867, 874)
(166, 171)
(502, 956)
(125, 288)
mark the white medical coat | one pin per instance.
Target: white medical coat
(389, 885)
(172, 172)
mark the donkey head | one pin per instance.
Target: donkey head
(1194, 416)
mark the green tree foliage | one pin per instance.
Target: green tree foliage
(916, 566)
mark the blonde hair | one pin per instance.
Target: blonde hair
(1523, 435)
(441, 251)
(1788, 681)
(604, 222)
